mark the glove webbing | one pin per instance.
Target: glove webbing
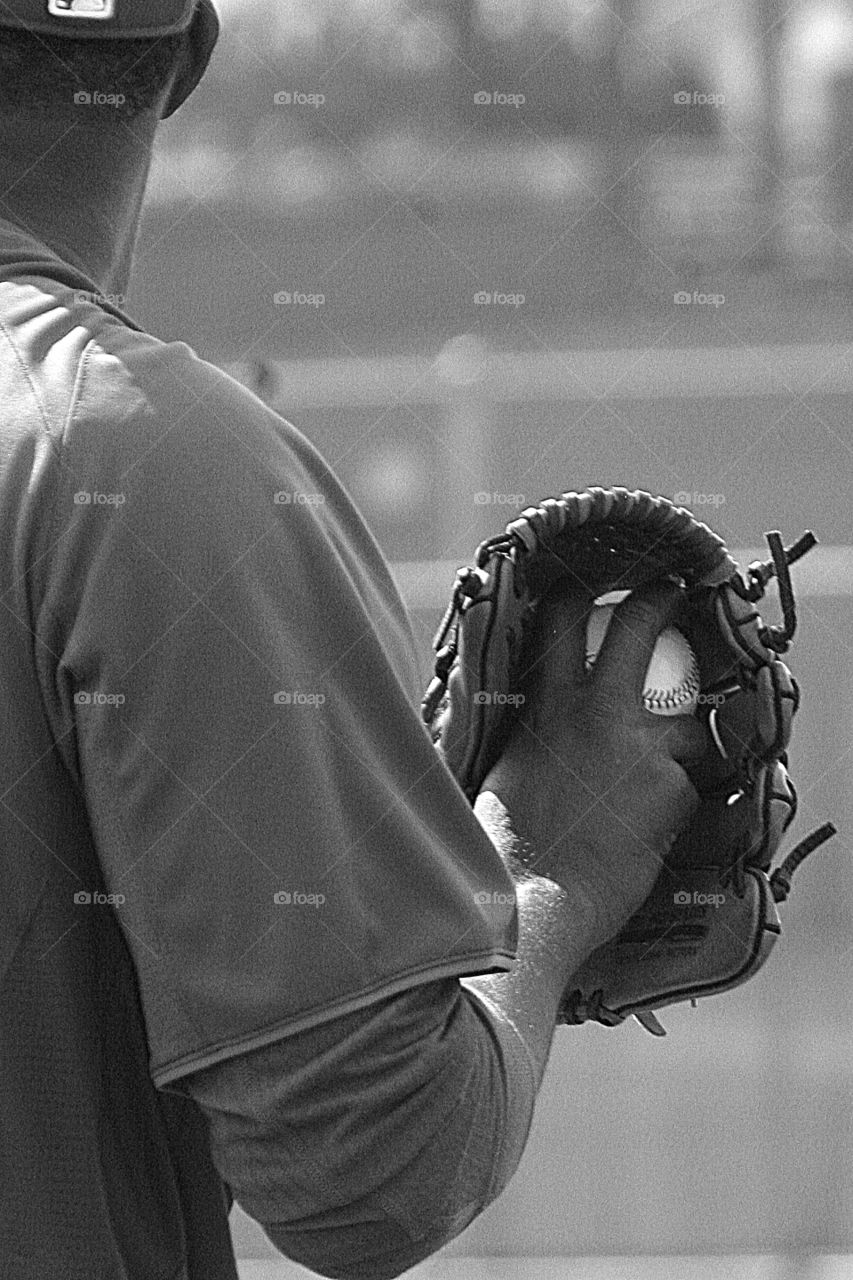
(760, 573)
(780, 881)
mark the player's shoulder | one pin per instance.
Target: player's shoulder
(98, 380)
(161, 384)
(139, 394)
(130, 414)
(181, 429)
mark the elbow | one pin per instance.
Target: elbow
(381, 1251)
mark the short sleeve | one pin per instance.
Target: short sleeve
(235, 686)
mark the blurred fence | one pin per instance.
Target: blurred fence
(439, 451)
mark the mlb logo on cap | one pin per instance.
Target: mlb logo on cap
(82, 8)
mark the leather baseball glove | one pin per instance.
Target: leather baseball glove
(712, 918)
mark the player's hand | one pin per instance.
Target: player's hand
(593, 785)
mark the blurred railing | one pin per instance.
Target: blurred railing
(572, 374)
(431, 446)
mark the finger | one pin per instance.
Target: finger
(557, 655)
(629, 642)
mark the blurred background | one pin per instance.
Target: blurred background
(482, 251)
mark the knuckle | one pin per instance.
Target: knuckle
(685, 739)
(660, 771)
(666, 779)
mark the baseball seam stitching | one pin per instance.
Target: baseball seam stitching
(672, 697)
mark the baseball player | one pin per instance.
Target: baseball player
(254, 941)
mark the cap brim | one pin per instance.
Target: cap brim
(203, 35)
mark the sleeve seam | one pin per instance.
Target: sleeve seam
(198, 1060)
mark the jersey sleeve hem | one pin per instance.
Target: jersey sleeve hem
(461, 967)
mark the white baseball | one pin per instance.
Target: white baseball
(672, 678)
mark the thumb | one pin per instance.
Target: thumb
(685, 740)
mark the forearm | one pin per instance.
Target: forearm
(557, 931)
